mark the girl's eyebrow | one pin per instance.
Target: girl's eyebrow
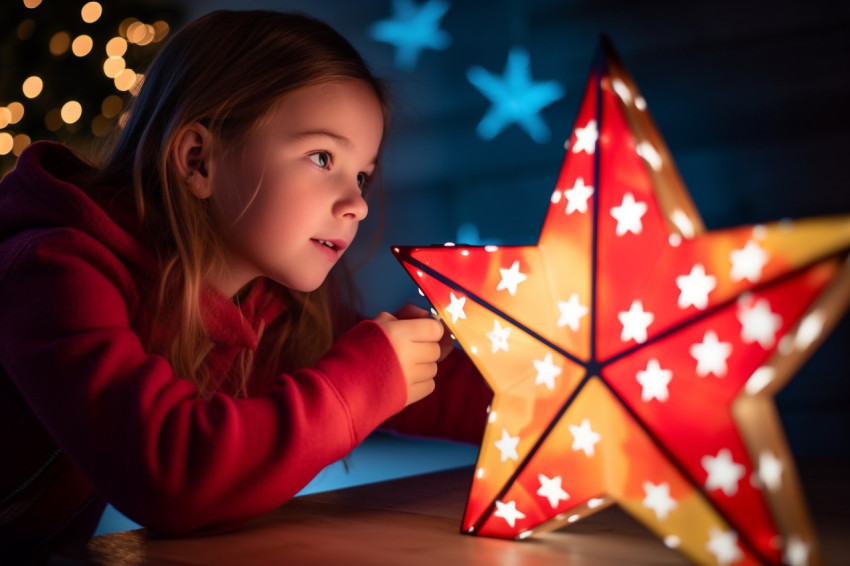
(322, 132)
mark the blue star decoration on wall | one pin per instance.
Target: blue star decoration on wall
(515, 97)
(412, 29)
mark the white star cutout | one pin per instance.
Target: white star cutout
(456, 307)
(654, 381)
(759, 323)
(546, 372)
(577, 196)
(511, 278)
(695, 287)
(586, 138)
(635, 322)
(628, 215)
(723, 472)
(584, 438)
(711, 355)
(748, 263)
(551, 489)
(508, 512)
(724, 546)
(507, 446)
(796, 552)
(571, 313)
(658, 499)
(499, 337)
(770, 470)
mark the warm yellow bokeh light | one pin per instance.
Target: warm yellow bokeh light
(71, 111)
(111, 105)
(53, 119)
(6, 143)
(16, 110)
(5, 117)
(161, 29)
(82, 45)
(125, 25)
(116, 47)
(20, 143)
(31, 4)
(32, 86)
(100, 125)
(26, 29)
(136, 32)
(113, 66)
(59, 43)
(91, 12)
(125, 80)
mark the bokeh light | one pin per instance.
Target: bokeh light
(82, 45)
(20, 143)
(16, 111)
(91, 12)
(71, 111)
(32, 86)
(111, 105)
(53, 119)
(25, 29)
(59, 43)
(6, 143)
(32, 4)
(5, 117)
(116, 47)
(125, 80)
(113, 65)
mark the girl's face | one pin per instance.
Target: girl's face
(292, 205)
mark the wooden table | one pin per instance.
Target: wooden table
(415, 521)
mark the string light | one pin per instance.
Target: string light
(116, 47)
(91, 12)
(82, 45)
(5, 117)
(20, 143)
(59, 43)
(32, 4)
(6, 143)
(16, 112)
(113, 65)
(125, 80)
(71, 111)
(32, 86)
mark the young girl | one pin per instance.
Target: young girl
(174, 335)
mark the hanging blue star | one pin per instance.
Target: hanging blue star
(412, 29)
(514, 97)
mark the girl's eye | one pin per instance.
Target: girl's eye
(321, 158)
(362, 180)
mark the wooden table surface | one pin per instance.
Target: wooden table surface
(415, 521)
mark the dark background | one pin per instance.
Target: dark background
(751, 98)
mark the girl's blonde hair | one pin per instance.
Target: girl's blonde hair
(225, 70)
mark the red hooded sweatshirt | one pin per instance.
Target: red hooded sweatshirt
(89, 416)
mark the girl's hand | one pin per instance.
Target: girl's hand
(417, 344)
(409, 311)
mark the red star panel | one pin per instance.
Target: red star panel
(634, 355)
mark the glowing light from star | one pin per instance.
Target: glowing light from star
(412, 29)
(514, 97)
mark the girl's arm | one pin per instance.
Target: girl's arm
(139, 434)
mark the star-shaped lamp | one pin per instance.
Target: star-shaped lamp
(634, 355)
(412, 29)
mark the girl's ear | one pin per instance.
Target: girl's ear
(192, 157)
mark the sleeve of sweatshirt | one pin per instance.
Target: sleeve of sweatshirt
(168, 460)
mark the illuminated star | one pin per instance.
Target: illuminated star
(584, 438)
(577, 196)
(723, 472)
(507, 446)
(514, 98)
(654, 381)
(508, 512)
(635, 322)
(571, 312)
(551, 489)
(412, 29)
(628, 215)
(546, 371)
(748, 263)
(586, 138)
(759, 323)
(770, 470)
(711, 355)
(455, 308)
(686, 292)
(511, 278)
(658, 499)
(499, 337)
(724, 546)
(695, 287)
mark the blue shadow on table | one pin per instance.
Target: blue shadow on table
(382, 456)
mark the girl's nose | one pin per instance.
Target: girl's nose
(352, 204)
